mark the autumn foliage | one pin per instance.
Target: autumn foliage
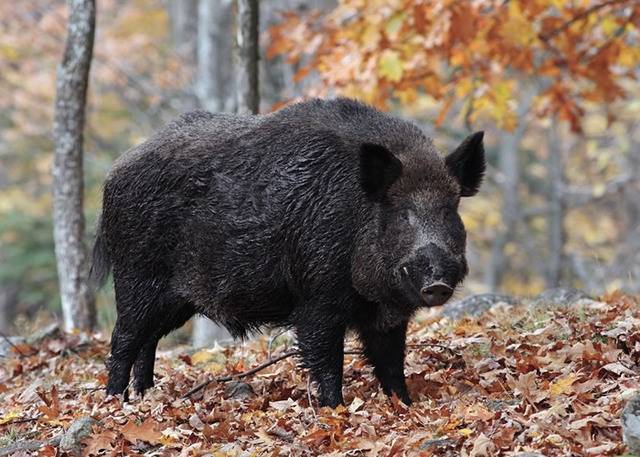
(482, 54)
(548, 380)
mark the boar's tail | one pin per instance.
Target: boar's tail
(101, 262)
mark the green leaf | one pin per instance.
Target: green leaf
(394, 24)
(390, 66)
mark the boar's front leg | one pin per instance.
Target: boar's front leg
(321, 341)
(385, 350)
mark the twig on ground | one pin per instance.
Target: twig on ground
(15, 348)
(254, 370)
(441, 346)
(244, 374)
(22, 420)
(81, 389)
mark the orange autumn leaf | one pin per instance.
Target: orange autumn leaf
(51, 407)
(147, 431)
(97, 443)
(582, 49)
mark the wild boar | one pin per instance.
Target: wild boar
(327, 216)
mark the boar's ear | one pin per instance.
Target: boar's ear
(467, 164)
(378, 169)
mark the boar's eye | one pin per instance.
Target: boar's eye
(467, 164)
(410, 217)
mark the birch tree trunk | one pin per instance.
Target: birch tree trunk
(78, 307)
(215, 92)
(184, 26)
(248, 95)
(555, 222)
(509, 165)
(214, 73)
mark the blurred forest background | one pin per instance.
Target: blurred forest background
(553, 83)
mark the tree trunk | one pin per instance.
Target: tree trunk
(214, 74)
(184, 28)
(78, 307)
(510, 170)
(509, 166)
(215, 92)
(555, 222)
(248, 54)
(8, 302)
(206, 332)
(627, 260)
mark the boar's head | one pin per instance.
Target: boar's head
(410, 251)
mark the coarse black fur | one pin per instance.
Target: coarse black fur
(325, 216)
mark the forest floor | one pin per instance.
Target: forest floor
(552, 381)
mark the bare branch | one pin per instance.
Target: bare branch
(244, 374)
(582, 195)
(578, 17)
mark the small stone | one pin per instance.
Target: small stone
(475, 305)
(72, 439)
(494, 405)
(238, 390)
(529, 454)
(436, 443)
(631, 424)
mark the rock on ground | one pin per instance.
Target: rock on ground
(631, 424)
(558, 297)
(238, 390)
(475, 305)
(72, 439)
(21, 446)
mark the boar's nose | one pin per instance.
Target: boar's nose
(436, 294)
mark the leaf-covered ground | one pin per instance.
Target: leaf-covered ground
(552, 381)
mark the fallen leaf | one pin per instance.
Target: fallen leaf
(51, 409)
(96, 443)
(562, 385)
(482, 447)
(10, 416)
(618, 368)
(356, 404)
(146, 431)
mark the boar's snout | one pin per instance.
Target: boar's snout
(430, 275)
(436, 294)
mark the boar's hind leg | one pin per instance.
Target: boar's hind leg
(385, 350)
(321, 344)
(143, 366)
(136, 302)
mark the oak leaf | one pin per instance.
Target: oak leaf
(147, 431)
